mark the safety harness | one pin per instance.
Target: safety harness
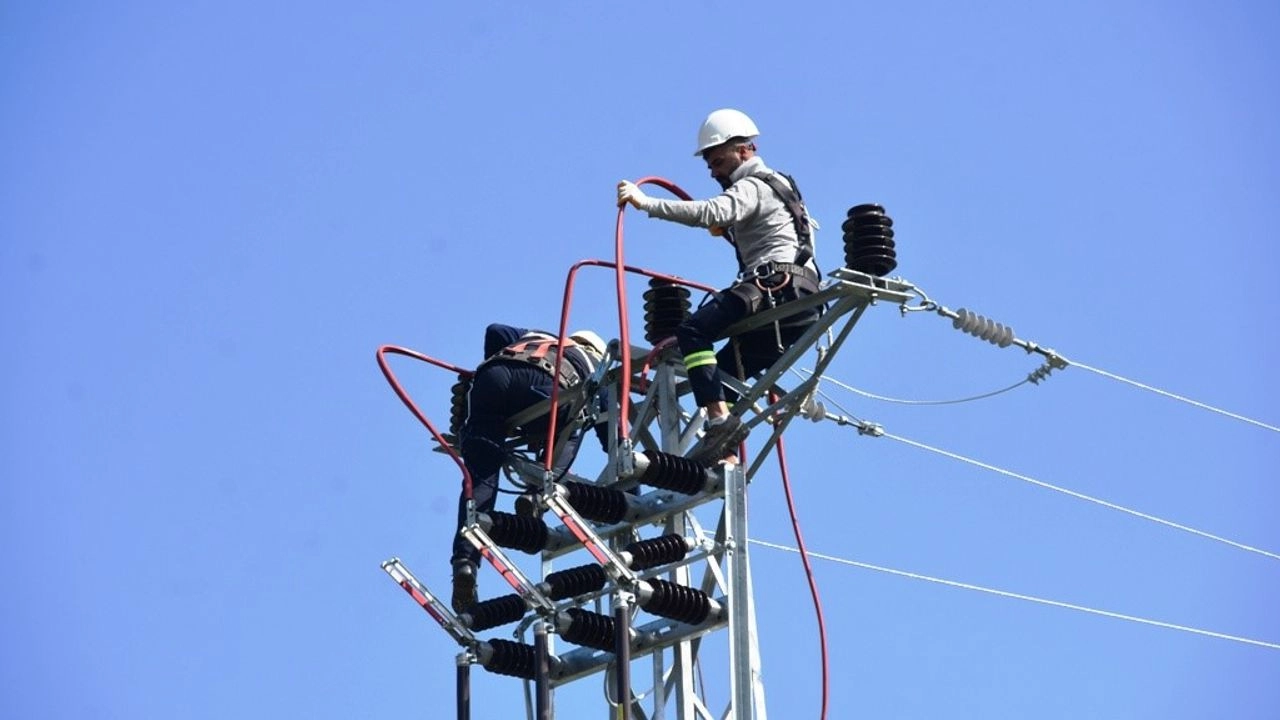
(535, 349)
(757, 286)
(790, 196)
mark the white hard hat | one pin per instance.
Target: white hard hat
(593, 341)
(722, 126)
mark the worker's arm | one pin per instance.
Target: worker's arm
(498, 336)
(730, 207)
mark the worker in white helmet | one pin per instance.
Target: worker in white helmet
(517, 373)
(762, 215)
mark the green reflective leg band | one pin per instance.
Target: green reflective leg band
(698, 359)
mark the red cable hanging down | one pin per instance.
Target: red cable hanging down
(808, 570)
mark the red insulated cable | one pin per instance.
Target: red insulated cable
(624, 410)
(808, 570)
(413, 408)
(625, 333)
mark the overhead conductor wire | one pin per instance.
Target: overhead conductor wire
(875, 430)
(1028, 598)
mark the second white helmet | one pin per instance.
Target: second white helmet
(722, 126)
(591, 340)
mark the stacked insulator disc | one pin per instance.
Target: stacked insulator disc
(593, 502)
(678, 602)
(511, 658)
(666, 305)
(458, 404)
(495, 612)
(575, 581)
(657, 551)
(589, 629)
(868, 240)
(674, 472)
(527, 535)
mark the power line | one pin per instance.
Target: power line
(1002, 335)
(901, 401)
(1082, 496)
(1028, 598)
(877, 431)
(1175, 396)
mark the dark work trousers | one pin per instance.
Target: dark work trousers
(499, 390)
(758, 348)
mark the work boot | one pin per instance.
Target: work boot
(527, 505)
(464, 586)
(719, 441)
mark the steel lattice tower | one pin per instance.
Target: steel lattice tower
(649, 560)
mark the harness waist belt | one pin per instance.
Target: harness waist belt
(770, 268)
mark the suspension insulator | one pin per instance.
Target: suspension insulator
(458, 404)
(506, 657)
(666, 305)
(983, 327)
(657, 551)
(495, 612)
(678, 602)
(674, 472)
(574, 581)
(868, 240)
(593, 502)
(589, 629)
(525, 534)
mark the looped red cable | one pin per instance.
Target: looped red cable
(413, 408)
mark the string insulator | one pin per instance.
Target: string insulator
(674, 472)
(458, 404)
(666, 306)
(983, 327)
(506, 657)
(525, 534)
(589, 629)
(495, 612)
(574, 581)
(657, 551)
(868, 240)
(593, 502)
(677, 602)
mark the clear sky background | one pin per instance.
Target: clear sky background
(213, 213)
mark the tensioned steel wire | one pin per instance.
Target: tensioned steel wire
(879, 432)
(1175, 396)
(1021, 596)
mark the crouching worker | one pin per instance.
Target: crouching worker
(517, 373)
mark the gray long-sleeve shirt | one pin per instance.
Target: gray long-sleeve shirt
(760, 224)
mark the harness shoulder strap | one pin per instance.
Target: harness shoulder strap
(794, 202)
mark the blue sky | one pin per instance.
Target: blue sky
(212, 214)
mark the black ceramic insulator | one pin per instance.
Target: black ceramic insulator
(666, 305)
(674, 472)
(657, 551)
(678, 602)
(868, 240)
(495, 612)
(575, 581)
(597, 503)
(458, 404)
(516, 531)
(512, 658)
(589, 629)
